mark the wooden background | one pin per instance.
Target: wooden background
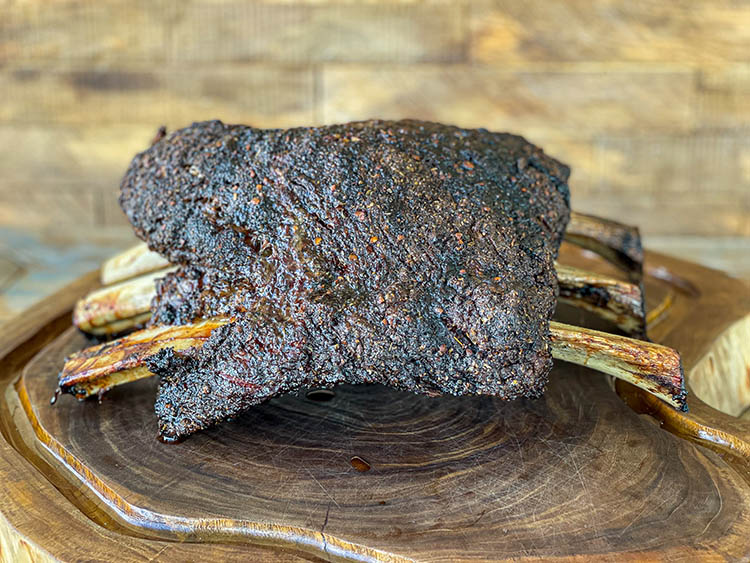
(648, 101)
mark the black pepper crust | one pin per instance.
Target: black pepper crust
(409, 253)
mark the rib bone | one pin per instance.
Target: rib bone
(655, 368)
(118, 307)
(652, 367)
(114, 309)
(618, 243)
(96, 369)
(619, 302)
(132, 262)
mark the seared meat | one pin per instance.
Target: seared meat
(409, 253)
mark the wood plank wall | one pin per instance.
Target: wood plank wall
(647, 100)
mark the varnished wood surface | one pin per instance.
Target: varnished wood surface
(379, 474)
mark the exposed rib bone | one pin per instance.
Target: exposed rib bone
(132, 262)
(117, 308)
(652, 367)
(619, 302)
(96, 369)
(618, 243)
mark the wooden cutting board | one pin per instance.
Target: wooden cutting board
(368, 473)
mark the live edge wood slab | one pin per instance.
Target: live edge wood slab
(590, 470)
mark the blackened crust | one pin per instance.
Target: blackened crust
(414, 254)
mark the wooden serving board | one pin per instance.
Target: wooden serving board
(376, 474)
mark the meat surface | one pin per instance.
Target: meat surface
(408, 253)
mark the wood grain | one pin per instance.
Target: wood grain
(209, 31)
(726, 367)
(289, 465)
(579, 102)
(606, 31)
(369, 32)
(722, 96)
(175, 97)
(379, 474)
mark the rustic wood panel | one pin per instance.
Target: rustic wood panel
(320, 32)
(683, 31)
(533, 102)
(63, 204)
(47, 155)
(724, 97)
(208, 31)
(696, 184)
(100, 32)
(268, 96)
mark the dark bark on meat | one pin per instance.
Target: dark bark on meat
(413, 253)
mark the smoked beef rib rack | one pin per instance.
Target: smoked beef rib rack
(413, 254)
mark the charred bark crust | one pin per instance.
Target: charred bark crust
(415, 253)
